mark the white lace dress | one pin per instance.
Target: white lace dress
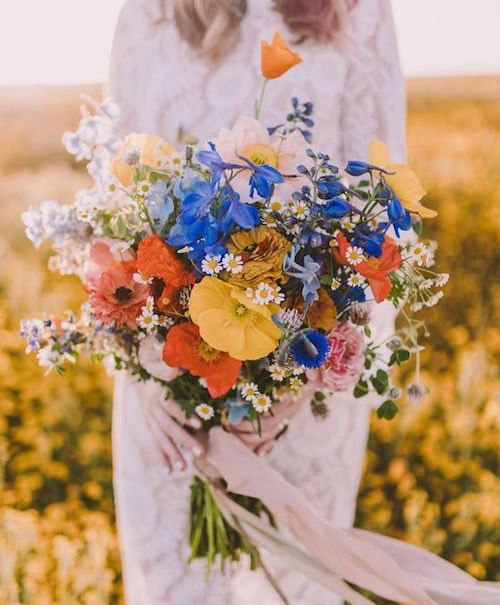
(160, 84)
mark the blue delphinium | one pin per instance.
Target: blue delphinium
(306, 273)
(310, 349)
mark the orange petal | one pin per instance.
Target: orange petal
(277, 58)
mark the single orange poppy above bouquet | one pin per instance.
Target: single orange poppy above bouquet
(277, 57)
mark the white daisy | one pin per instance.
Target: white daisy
(139, 278)
(356, 280)
(232, 263)
(143, 188)
(249, 390)
(261, 403)
(335, 285)
(277, 372)
(211, 264)
(278, 296)
(277, 205)
(295, 383)
(354, 255)
(165, 321)
(442, 279)
(148, 320)
(204, 411)
(300, 210)
(347, 224)
(263, 294)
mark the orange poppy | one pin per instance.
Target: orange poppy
(376, 270)
(277, 58)
(184, 348)
(156, 259)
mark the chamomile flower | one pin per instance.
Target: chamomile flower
(165, 322)
(232, 263)
(335, 285)
(143, 188)
(211, 264)
(148, 320)
(355, 279)
(354, 255)
(295, 383)
(434, 299)
(300, 210)
(261, 403)
(442, 279)
(277, 205)
(263, 294)
(278, 295)
(204, 411)
(139, 278)
(277, 372)
(249, 390)
(347, 224)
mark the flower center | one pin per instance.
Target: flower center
(260, 153)
(239, 310)
(207, 353)
(123, 294)
(157, 286)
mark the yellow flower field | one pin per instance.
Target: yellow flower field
(431, 475)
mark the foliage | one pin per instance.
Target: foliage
(431, 474)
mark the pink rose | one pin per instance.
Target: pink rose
(344, 363)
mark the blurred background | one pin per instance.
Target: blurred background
(431, 475)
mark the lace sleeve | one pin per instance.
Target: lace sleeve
(375, 100)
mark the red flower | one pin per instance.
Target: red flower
(156, 260)
(184, 348)
(115, 296)
(376, 270)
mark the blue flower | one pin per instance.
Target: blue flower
(213, 161)
(398, 216)
(306, 273)
(310, 349)
(263, 179)
(370, 241)
(329, 187)
(237, 409)
(357, 168)
(337, 207)
(159, 204)
(245, 216)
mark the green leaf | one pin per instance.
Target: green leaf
(325, 280)
(363, 183)
(399, 356)
(380, 381)
(367, 331)
(418, 227)
(361, 389)
(387, 410)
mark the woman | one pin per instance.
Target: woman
(193, 65)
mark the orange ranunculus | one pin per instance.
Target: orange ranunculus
(376, 270)
(184, 348)
(149, 147)
(277, 58)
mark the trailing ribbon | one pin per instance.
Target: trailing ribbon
(332, 555)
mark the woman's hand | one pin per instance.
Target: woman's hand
(168, 425)
(271, 427)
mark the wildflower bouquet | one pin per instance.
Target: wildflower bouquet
(237, 273)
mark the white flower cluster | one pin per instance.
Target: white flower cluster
(215, 263)
(265, 294)
(260, 402)
(149, 320)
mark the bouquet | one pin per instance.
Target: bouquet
(238, 273)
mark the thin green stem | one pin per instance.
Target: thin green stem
(258, 104)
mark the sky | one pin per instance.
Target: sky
(69, 41)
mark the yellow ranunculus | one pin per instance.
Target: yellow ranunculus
(230, 322)
(404, 181)
(149, 147)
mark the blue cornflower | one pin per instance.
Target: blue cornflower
(310, 349)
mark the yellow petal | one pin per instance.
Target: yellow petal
(219, 332)
(210, 293)
(422, 211)
(258, 343)
(405, 183)
(378, 153)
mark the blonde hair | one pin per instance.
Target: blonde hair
(212, 26)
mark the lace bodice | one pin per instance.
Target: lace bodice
(160, 85)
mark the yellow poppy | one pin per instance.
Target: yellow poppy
(230, 322)
(404, 181)
(149, 148)
(277, 58)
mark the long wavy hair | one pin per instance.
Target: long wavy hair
(212, 26)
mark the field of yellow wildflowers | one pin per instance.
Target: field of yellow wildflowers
(431, 475)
